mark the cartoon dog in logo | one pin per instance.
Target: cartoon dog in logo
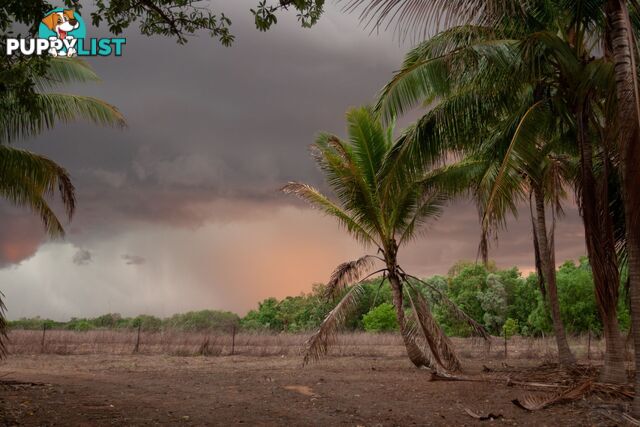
(62, 23)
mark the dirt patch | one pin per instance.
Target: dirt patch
(147, 390)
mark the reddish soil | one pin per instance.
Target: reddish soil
(164, 390)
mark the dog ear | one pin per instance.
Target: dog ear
(51, 21)
(69, 13)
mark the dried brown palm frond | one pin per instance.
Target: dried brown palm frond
(347, 273)
(439, 344)
(476, 328)
(535, 402)
(318, 344)
(417, 348)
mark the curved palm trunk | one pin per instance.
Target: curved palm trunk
(623, 47)
(547, 266)
(417, 357)
(600, 242)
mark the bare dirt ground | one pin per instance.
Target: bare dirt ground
(99, 389)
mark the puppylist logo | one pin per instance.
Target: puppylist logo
(62, 32)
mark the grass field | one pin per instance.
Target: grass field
(177, 343)
(366, 381)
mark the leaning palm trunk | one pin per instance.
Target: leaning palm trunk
(548, 269)
(415, 353)
(600, 242)
(622, 44)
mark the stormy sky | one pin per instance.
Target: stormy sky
(180, 210)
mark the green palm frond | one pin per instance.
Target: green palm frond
(29, 179)
(52, 108)
(62, 71)
(420, 17)
(428, 74)
(322, 203)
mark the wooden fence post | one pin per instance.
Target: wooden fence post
(233, 339)
(505, 343)
(44, 331)
(589, 346)
(137, 347)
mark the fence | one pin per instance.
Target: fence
(225, 343)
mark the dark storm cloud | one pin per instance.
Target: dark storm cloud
(209, 122)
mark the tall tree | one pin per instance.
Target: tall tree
(27, 179)
(622, 46)
(566, 35)
(383, 205)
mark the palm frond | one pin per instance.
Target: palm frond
(62, 71)
(318, 344)
(28, 179)
(522, 149)
(439, 344)
(476, 327)
(347, 273)
(420, 17)
(52, 108)
(322, 203)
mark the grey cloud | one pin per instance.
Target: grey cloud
(82, 257)
(134, 259)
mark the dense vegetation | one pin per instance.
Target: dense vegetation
(191, 321)
(492, 297)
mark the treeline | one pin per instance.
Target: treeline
(191, 321)
(492, 297)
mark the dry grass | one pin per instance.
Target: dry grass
(178, 343)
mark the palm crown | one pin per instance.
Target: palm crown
(374, 202)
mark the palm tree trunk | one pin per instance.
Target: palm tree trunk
(621, 42)
(417, 356)
(547, 264)
(598, 228)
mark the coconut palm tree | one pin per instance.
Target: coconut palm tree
(383, 205)
(555, 49)
(28, 179)
(485, 113)
(622, 47)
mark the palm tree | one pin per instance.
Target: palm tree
(493, 119)
(28, 179)
(381, 203)
(552, 45)
(622, 46)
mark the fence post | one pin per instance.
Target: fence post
(44, 331)
(137, 347)
(589, 346)
(233, 339)
(505, 343)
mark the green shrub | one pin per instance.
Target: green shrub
(381, 318)
(510, 327)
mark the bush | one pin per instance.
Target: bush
(510, 327)
(381, 318)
